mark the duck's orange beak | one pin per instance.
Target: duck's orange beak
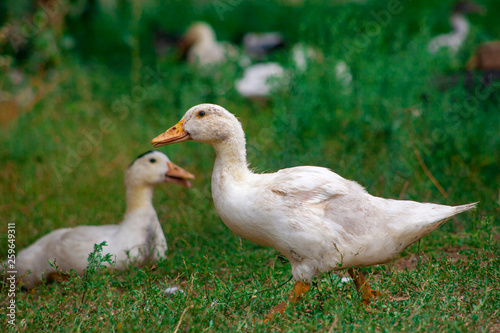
(178, 175)
(173, 135)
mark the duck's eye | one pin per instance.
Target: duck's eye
(153, 160)
(201, 114)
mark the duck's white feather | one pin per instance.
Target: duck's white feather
(308, 184)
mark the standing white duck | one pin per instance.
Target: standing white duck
(318, 220)
(454, 39)
(259, 45)
(136, 240)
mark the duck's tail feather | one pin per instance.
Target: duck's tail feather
(464, 208)
(444, 213)
(427, 220)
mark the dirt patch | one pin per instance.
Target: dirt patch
(453, 254)
(406, 263)
(24, 98)
(10, 112)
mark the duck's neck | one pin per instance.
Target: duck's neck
(139, 197)
(460, 24)
(231, 158)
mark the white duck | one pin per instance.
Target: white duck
(318, 220)
(454, 39)
(137, 239)
(259, 45)
(261, 79)
(200, 46)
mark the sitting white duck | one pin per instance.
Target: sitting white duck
(262, 79)
(200, 46)
(318, 220)
(136, 240)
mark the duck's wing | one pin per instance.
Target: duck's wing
(72, 248)
(35, 258)
(309, 185)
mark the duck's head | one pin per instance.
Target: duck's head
(154, 168)
(207, 123)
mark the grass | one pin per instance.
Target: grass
(62, 164)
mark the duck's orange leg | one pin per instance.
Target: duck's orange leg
(57, 277)
(362, 286)
(298, 291)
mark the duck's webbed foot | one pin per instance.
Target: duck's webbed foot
(362, 286)
(279, 308)
(298, 291)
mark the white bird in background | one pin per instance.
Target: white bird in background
(136, 240)
(460, 24)
(344, 76)
(303, 54)
(318, 220)
(200, 46)
(261, 79)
